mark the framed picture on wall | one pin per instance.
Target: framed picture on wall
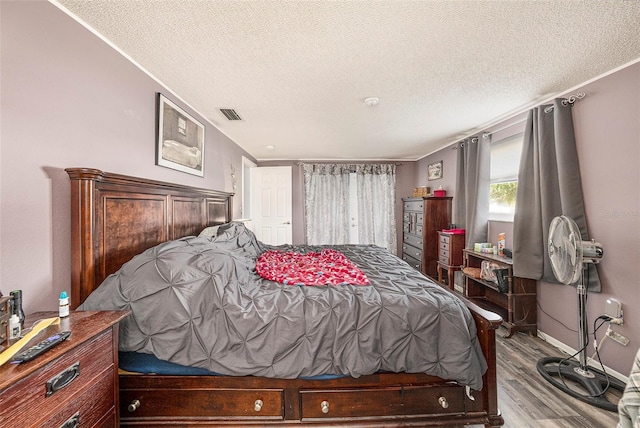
(180, 139)
(434, 170)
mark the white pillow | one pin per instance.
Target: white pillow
(208, 232)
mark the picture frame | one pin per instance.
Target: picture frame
(180, 138)
(434, 170)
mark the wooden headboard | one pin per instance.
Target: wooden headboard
(114, 217)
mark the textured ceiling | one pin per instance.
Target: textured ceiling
(298, 72)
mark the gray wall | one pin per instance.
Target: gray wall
(70, 100)
(607, 126)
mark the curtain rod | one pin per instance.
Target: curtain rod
(300, 163)
(570, 100)
(495, 131)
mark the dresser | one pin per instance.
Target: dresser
(422, 218)
(517, 305)
(450, 256)
(4, 321)
(73, 384)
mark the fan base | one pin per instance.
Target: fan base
(591, 380)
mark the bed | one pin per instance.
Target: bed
(117, 217)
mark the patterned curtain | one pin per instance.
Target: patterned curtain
(376, 205)
(327, 215)
(326, 203)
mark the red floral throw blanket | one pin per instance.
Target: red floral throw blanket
(327, 267)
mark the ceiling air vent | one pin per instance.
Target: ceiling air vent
(230, 114)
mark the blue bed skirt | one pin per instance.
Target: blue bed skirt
(146, 363)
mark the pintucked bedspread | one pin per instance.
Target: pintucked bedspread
(199, 302)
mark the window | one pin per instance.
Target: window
(505, 162)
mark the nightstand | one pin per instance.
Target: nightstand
(450, 256)
(76, 381)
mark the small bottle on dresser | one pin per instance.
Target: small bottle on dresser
(14, 327)
(63, 308)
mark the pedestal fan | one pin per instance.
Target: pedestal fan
(570, 256)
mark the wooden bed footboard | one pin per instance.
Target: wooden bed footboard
(115, 217)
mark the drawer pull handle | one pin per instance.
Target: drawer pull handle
(72, 422)
(133, 406)
(257, 406)
(63, 379)
(443, 402)
(324, 406)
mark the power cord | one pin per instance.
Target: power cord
(605, 319)
(553, 318)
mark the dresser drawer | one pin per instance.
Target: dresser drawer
(444, 246)
(93, 406)
(29, 400)
(391, 402)
(4, 320)
(412, 251)
(413, 240)
(212, 403)
(444, 259)
(414, 205)
(414, 263)
(444, 239)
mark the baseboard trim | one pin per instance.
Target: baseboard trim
(590, 361)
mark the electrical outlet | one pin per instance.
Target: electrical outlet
(618, 337)
(613, 308)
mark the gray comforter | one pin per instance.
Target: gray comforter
(198, 302)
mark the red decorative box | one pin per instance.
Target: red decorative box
(439, 193)
(454, 231)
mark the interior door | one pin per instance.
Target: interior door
(271, 204)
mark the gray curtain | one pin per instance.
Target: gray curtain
(472, 189)
(549, 185)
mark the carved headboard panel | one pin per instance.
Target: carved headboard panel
(114, 217)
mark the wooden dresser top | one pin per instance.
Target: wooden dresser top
(83, 325)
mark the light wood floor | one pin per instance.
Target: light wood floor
(527, 400)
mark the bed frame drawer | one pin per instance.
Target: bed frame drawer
(390, 402)
(202, 404)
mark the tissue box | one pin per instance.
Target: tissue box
(478, 247)
(439, 193)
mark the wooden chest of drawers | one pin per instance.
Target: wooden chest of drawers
(73, 384)
(450, 256)
(422, 218)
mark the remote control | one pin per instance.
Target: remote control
(41, 347)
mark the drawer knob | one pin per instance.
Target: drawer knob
(443, 402)
(134, 405)
(257, 406)
(324, 406)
